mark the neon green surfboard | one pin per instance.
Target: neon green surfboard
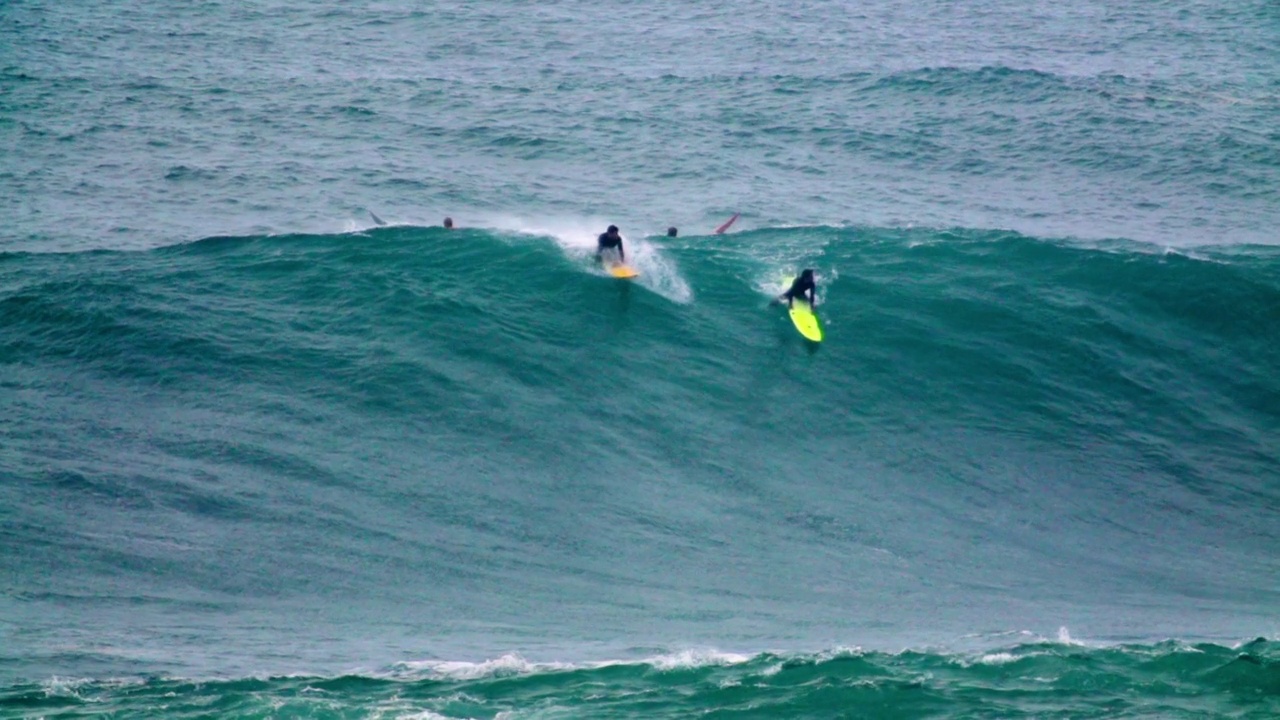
(806, 321)
(803, 317)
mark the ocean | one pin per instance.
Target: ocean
(276, 444)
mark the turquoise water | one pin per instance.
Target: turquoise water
(262, 457)
(1034, 680)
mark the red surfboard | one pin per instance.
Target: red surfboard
(720, 230)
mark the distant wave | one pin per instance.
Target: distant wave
(1166, 680)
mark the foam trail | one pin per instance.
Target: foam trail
(658, 272)
(577, 238)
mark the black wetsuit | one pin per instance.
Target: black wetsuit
(798, 288)
(610, 240)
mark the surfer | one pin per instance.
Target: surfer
(448, 223)
(798, 288)
(610, 239)
(671, 231)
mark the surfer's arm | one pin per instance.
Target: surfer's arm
(622, 254)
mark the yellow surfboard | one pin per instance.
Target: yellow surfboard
(623, 271)
(803, 317)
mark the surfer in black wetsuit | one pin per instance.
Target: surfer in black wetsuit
(610, 239)
(798, 288)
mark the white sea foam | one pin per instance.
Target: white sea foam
(696, 658)
(509, 664)
(577, 238)
(997, 658)
(514, 664)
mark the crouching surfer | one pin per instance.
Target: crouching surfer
(608, 240)
(799, 287)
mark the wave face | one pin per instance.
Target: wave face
(298, 453)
